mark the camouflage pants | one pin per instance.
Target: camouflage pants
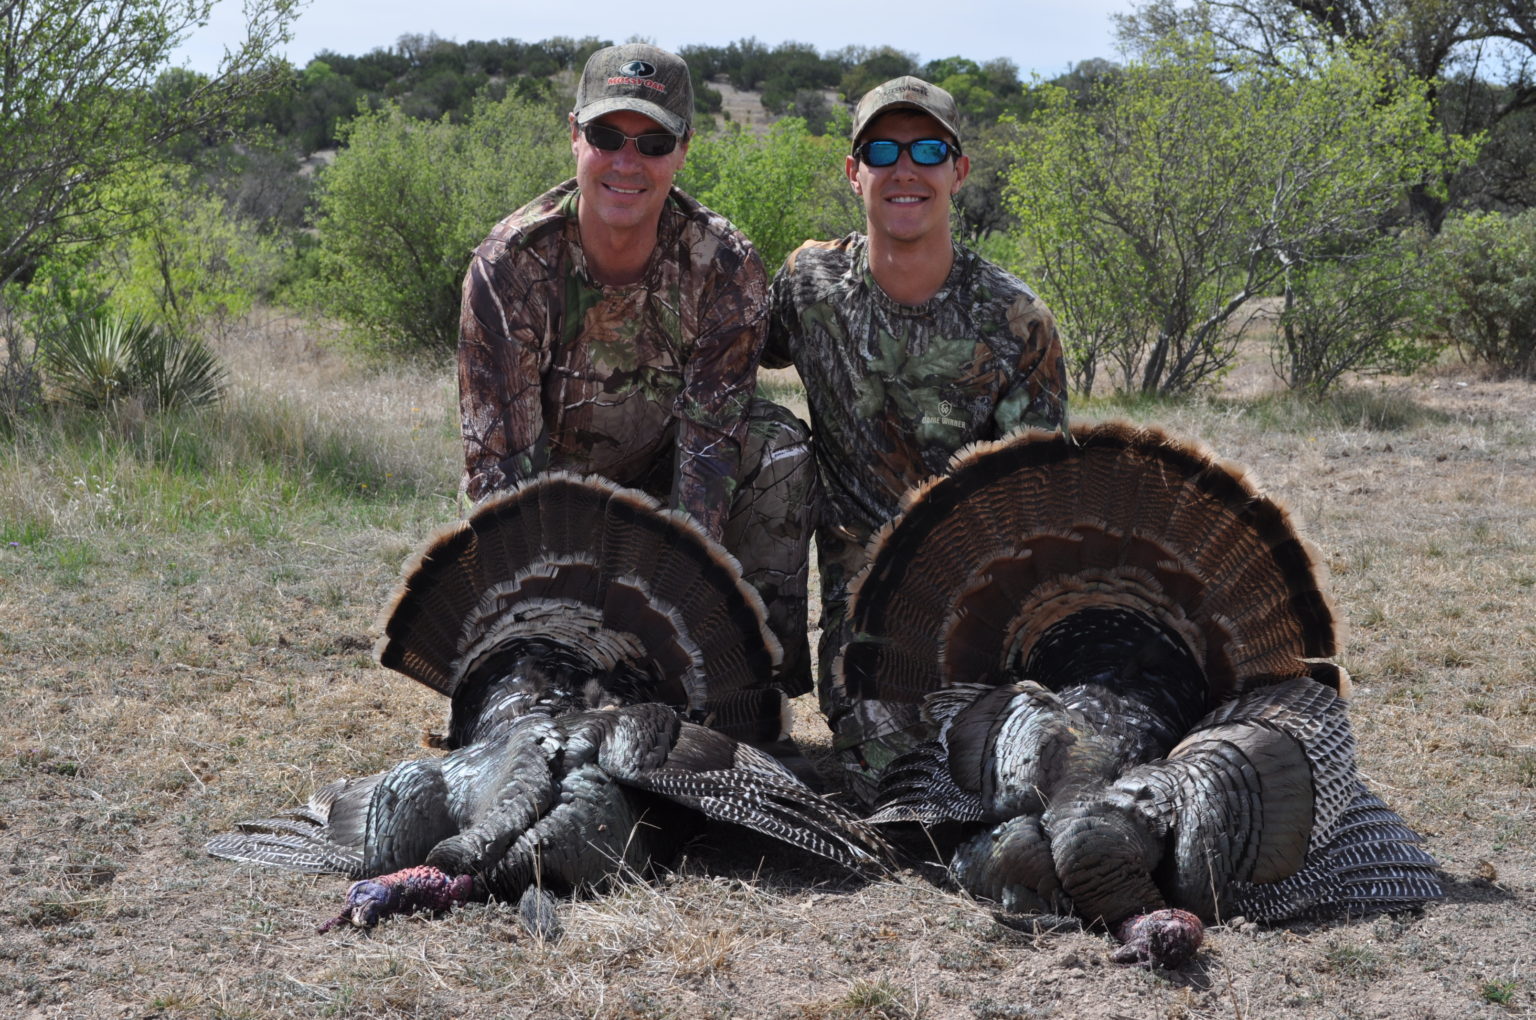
(867, 734)
(769, 529)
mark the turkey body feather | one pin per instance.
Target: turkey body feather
(1118, 647)
(566, 801)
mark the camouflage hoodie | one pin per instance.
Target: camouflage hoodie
(558, 371)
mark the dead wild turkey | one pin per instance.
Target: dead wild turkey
(1120, 646)
(601, 656)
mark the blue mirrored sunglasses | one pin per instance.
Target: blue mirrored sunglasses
(924, 151)
(600, 136)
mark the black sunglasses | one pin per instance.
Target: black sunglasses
(609, 139)
(924, 151)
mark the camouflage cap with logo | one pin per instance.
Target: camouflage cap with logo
(636, 77)
(907, 93)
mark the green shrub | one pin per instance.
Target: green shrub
(20, 381)
(1365, 311)
(188, 262)
(1490, 280)
(405, 203)
(780, 189)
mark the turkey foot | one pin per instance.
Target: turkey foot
(401, 892)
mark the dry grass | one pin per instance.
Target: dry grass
(186, 642)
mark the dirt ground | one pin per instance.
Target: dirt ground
(156, 691)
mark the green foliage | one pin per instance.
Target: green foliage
(1500, 993)
(186, 262)
(108, 360)
(77, 108)
(181, 260)
(406, 202)
(1477, 53)
(872, 67)
(429, 78)
(779, 189)
(319, 103)
(980, 208)
(21, 388)
(983, 92)
(1161, 209)
(791, 68)
(1367, 310)
(1490, 278)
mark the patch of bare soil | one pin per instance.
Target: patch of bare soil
(156, 691)
(745, 106)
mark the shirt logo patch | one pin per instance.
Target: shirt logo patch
(945, 409)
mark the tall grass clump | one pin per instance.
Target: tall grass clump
(1371, 409)
(288, 446)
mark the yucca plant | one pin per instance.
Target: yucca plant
(102, 360)
(173, 370)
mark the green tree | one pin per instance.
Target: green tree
(1162, 209)
(1477, 56)
(980, 207)
(983, 92)
(780, 189)
(792, 68)
(77, 107)
(322, 101)
(406, 201)
(868, 68)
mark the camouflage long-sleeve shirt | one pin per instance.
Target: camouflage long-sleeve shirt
(895, 389)
(558, 371)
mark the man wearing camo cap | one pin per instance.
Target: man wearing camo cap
(910, 346)
(613, 325)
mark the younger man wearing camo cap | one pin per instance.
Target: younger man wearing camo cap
(910, 346)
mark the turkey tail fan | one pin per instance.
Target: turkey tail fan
(1025, 533)
(599, 571)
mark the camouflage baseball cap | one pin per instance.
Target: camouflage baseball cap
(636, 77)
(907, 93)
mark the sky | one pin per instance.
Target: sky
(1044, 36)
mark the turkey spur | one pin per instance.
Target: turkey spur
(608, 674)
(1120, 650)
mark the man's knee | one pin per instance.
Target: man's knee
(777, 451)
